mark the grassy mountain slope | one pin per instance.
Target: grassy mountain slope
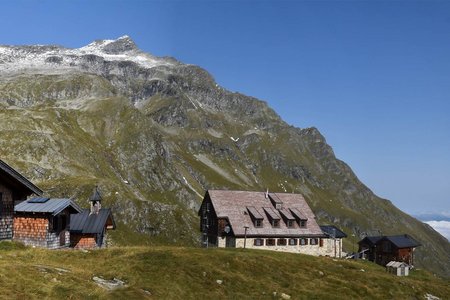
(192, 273)
(156, 139)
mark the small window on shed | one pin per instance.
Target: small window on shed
(314, 241)
(292, 242)
(258, 242)
(281, 242)
(303, 241)
(270, 242)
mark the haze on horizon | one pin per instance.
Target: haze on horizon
(371, 76)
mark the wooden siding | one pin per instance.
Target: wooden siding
(6, 212)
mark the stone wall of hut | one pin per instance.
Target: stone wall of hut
(6, 213)
(324, 246)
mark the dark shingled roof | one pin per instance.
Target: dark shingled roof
(400, 241)
(403, 241)
(16, 176)
(85, 222)
(96, 195)
(52, 206)
(331, 230)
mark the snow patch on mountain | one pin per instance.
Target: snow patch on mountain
(52, 58)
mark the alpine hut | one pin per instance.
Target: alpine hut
(14, 188)
(383, 249)
(44, 222)
(271, 221)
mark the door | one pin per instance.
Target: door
(62, 230)
(230, 242)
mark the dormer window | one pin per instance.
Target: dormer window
(290, 224)
(256, 217)
(273, 216)
(276, 223)
(278, 206)
(300, 217)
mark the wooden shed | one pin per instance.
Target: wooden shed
(398, 268)
(88, 229)
(13, 188)
(44, 222)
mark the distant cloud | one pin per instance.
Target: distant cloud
(433, 216)
(443, 227)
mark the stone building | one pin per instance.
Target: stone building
(334, 240)
(272, 221)
(14, 188)
(88, 229)
(44, 222)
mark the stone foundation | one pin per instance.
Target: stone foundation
(324, 248)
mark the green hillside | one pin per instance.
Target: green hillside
(193, 273)
(155, 138)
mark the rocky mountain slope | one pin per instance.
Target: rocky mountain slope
(155, 134)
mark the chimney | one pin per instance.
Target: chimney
(266, 194)
(96, 201)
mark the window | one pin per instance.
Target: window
(258, 223)
(314, 241)
(303, 241)
(290, 224)
(276, 223)
(281, 242)
(292, 242)
(270, 242)
(302, 223)
(1, 203)
(321, 242)
(258, 242)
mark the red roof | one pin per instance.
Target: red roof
(234, 205)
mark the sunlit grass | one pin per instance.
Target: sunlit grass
(192, 273)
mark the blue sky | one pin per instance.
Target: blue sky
(372, 76)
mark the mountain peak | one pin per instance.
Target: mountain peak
(122, 44)
(117, 46)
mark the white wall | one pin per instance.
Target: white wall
(326, 250)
